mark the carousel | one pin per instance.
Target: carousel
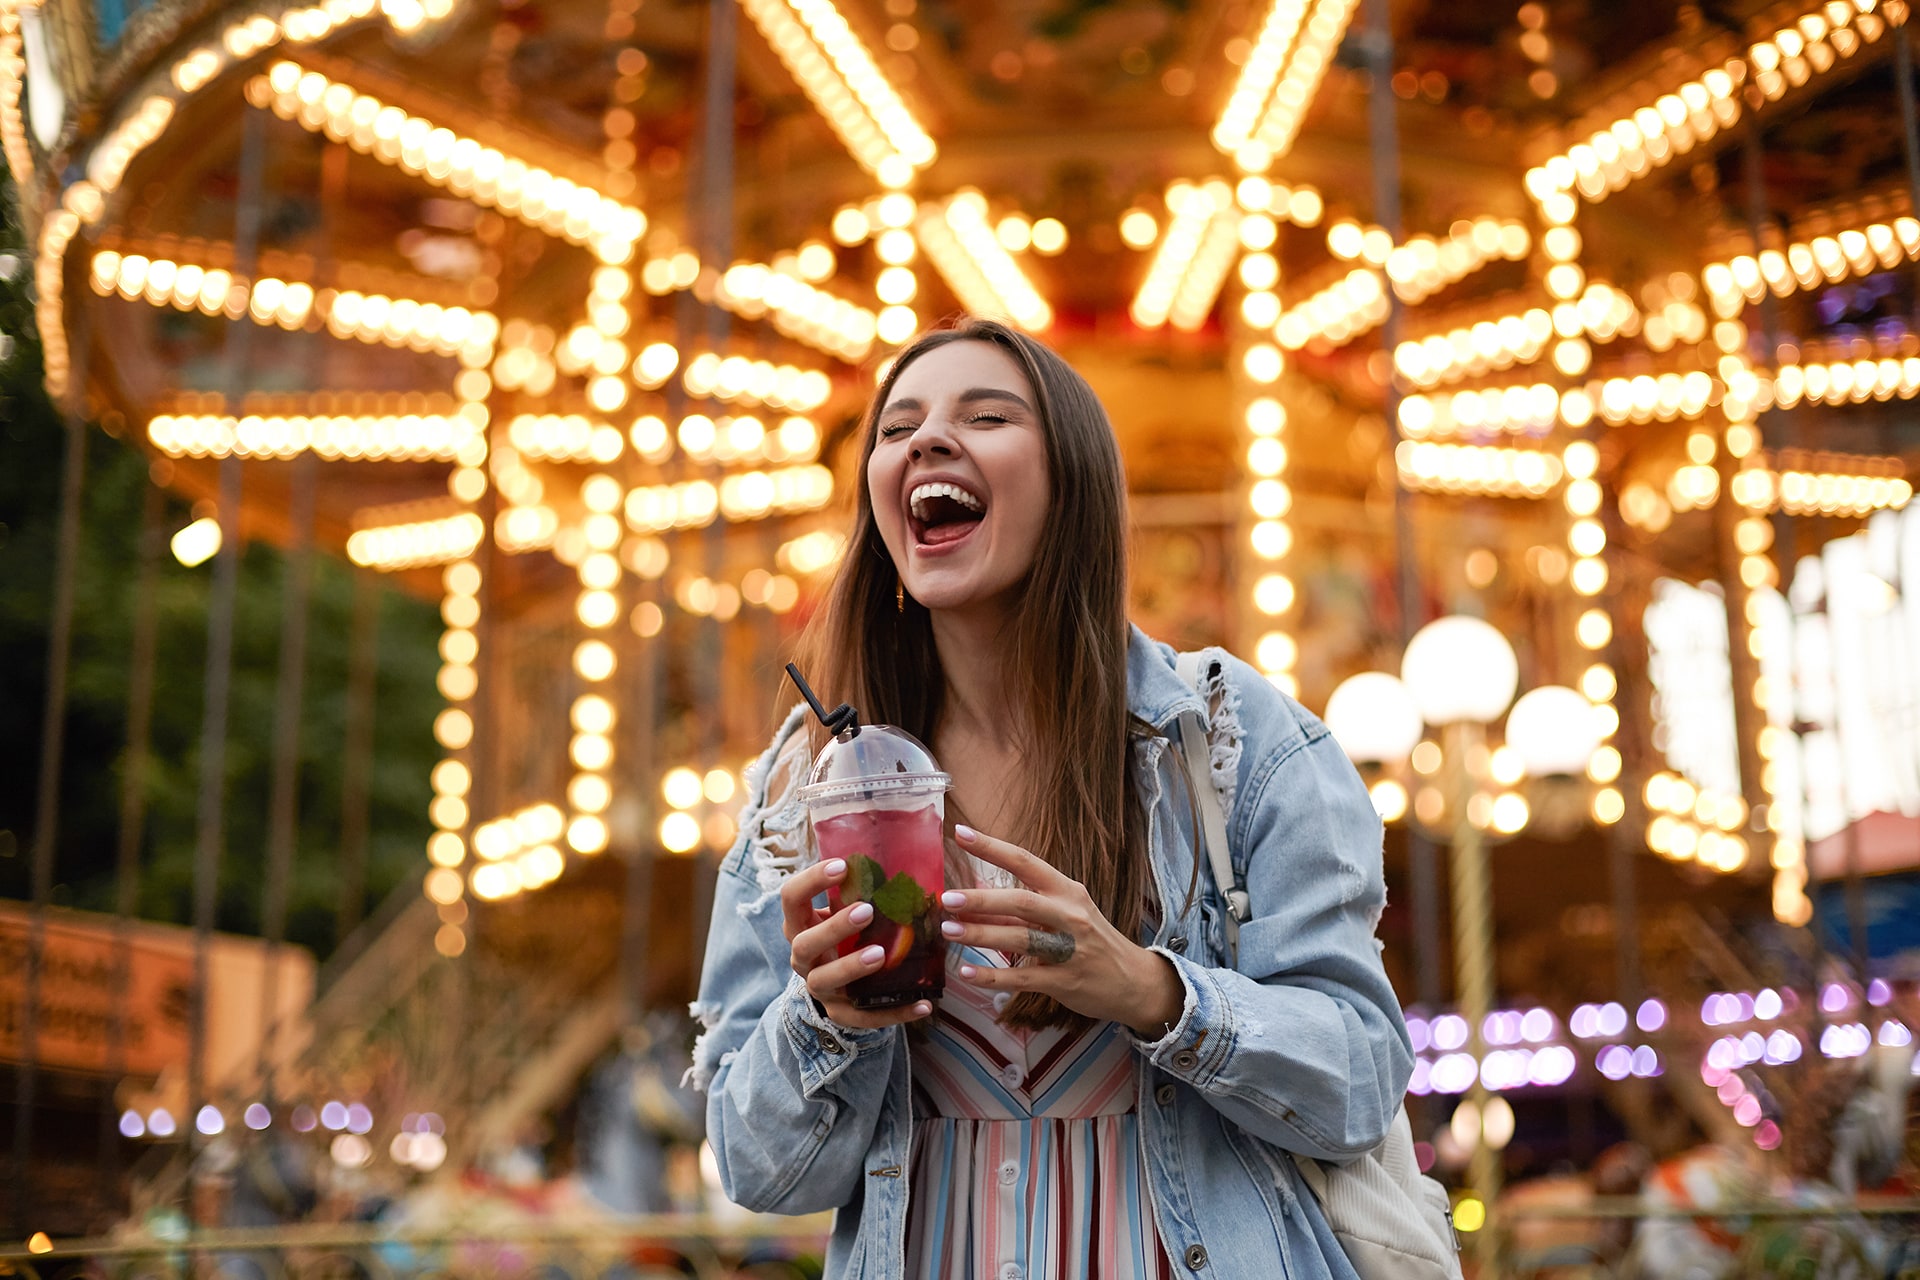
(1526, 389)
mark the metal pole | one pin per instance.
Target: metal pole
(283, 807)
(53, 728)
(133, 810)
(1473, 951)
(209, 824)
(356, 766)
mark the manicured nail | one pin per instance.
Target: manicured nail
(836, 866)
(968, 971)
(952, 928)
(953, 901)
(873, 955)
(861, 913)
(961, 831)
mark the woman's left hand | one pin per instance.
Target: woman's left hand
(1075, 954)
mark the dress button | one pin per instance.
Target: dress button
(1164, 1095)
(1011, 1075)
(1177, 943)
(1196, 1257)
(1185, 1060)
(1001, 999)
(1009, 1172)
(1010, 1272)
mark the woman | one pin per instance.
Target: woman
(1117, 1102)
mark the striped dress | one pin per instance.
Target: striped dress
(1026, 1150)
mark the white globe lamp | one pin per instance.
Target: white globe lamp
(1460, 670)
(1554, 731)
(1374, 718)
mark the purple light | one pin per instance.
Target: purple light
(432, 1123)
(1424, 1155)
(1724, 1053)
(257, 1116)
(1585, 1022)
(1646, 1063)
(1420, 1033)
(1455, 1073)
(1766, 1135)
(1449, 1032)
(131, 1125)
(1731, 1090)
(1747, 1111)
(1752, 1047)
(1615, 1062)
(1782, 1047)
(334, 1115)
(1848, 1041)
(160, 1123)
(1422, 1082)
(1710, 1010)
(1766, 1005)
(1553, 1065)
(1505, 1068)
(304, 1119)
(359, 1118)
(210, 1121)
(1879, 994)
(1895, 1035)
(1834, 998)
(1536, 1026)
(1612, 1019)
(1651, 1016)
(1501, 1027)
(1712, 1075)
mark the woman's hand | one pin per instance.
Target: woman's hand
(813, 939)
(1076, 955)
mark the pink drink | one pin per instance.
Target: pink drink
(896, 860)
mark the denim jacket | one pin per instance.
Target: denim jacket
(1299, 1047)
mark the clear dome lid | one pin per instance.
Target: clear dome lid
(870, 762)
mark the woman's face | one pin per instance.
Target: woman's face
(958, 476)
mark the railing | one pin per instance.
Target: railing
(1617, 1237)
(655, 1247)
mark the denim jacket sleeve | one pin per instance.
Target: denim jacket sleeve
(1301, 1042)
(792, 1097)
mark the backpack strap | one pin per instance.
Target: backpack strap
(1213, 819)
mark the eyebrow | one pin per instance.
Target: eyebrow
(973, 396)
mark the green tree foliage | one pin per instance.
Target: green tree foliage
(117, 474)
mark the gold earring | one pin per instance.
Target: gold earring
(899, 597)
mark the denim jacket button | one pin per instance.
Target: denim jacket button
(1177, 943)
(1196, 1257)
(1185, 1060)
(1164, 1095)
(830, 1042)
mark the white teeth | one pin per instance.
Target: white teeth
(917, 500)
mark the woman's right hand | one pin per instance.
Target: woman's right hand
(814, 936)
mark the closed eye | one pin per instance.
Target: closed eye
(893, 429)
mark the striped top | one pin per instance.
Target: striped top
(1026, 1149)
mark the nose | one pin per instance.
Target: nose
(934, 439)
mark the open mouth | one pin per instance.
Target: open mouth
(942, 513)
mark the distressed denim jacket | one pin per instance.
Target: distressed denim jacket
(1299, 1047)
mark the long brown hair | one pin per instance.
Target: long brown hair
(1066, 642)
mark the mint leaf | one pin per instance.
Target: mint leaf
(901, 899)
(864, 878)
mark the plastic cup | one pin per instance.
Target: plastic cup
(876, 799)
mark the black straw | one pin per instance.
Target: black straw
(843, 719)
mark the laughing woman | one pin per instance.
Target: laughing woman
(1116, 1102)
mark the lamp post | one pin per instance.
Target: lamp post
(1459, 675)
(1462, 675)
